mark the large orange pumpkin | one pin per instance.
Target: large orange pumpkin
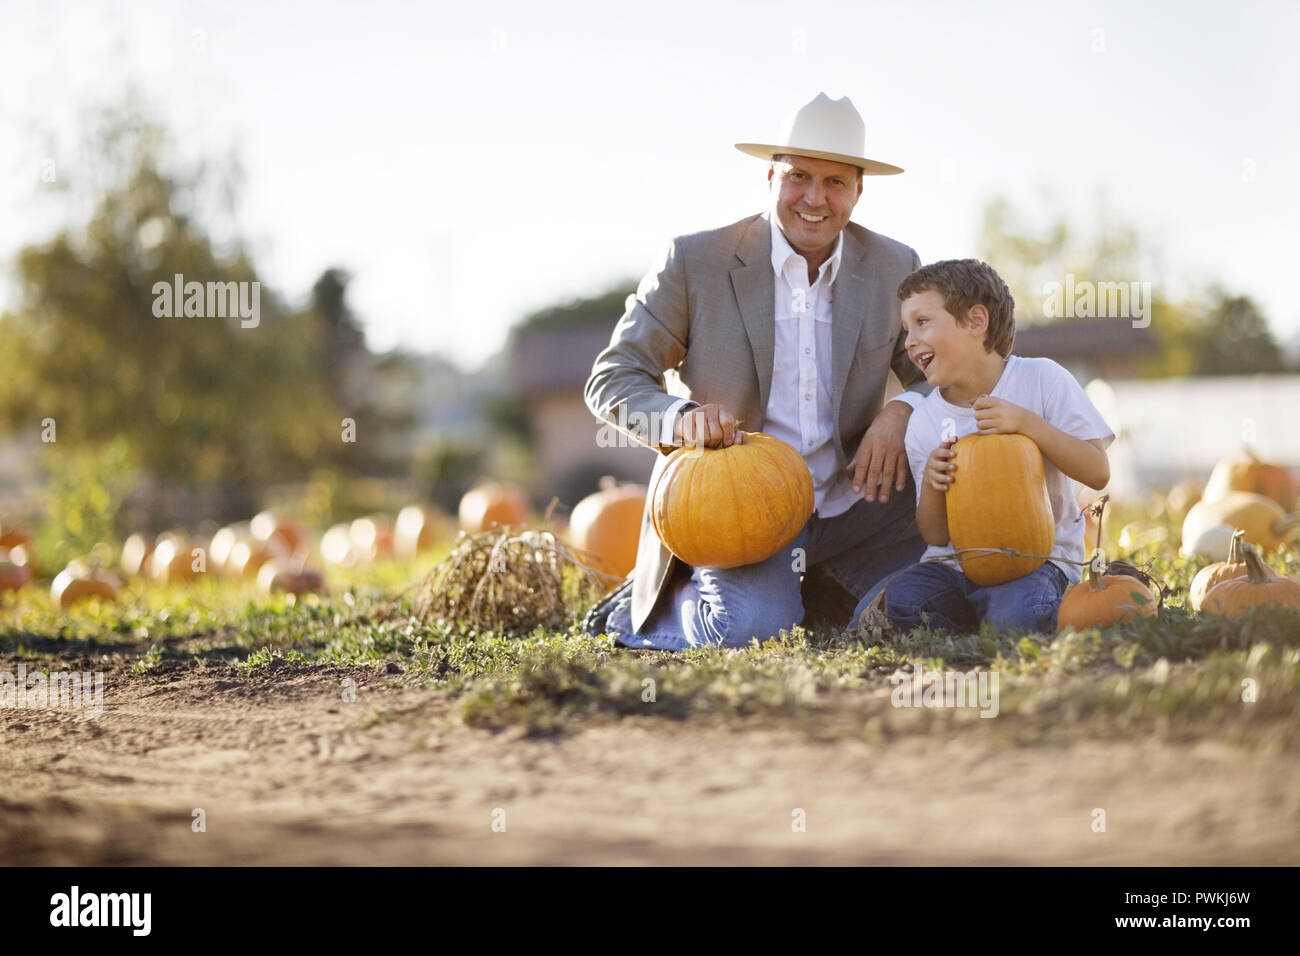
(1236, 596)
(732, 506)
(1249, 473)
(607, 525)
(998, 499)
(1104, 598)
(1262, 519)
(172, 559)
(492, 505)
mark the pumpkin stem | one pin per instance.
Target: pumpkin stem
(1250, 454)
(1097, 508)
(1097, 570)
(1234, 548)
(1255, 569)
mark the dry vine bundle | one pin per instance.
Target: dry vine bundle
(509, 581)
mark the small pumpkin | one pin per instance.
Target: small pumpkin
(492, 505)
(336, 545)
(14, 570)
(172, 560)
(223, 544)
(1111, 593)
(136, 552)
(732, 506)
(282, 535)
(292, 577)
(1249, 473)
(372, 538)
(1265, 523)
(248, 557)
(1236, 596)
(607, 525)
(1212, 574)
(417, 529)
(998, 499)
(77, 583)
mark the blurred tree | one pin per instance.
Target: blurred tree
(1234, 339)
(1207, 333)
(197, 399)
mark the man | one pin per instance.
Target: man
(785, 322)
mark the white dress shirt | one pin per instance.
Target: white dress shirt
(799, 405)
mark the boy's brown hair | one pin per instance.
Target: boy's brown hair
(964, 283)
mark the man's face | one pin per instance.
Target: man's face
(814, 201)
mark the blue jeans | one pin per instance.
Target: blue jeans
(728, 607)
(951, 601)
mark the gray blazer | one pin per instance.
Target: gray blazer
(707, 312)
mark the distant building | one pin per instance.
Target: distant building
(1089, 348)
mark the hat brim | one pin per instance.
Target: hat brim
(870, 167)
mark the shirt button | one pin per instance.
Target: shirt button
(807, 351)
(807, 398)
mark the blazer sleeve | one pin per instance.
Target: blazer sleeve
(626, 387)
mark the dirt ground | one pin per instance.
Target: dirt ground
(288, 773)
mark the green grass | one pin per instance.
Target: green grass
(1176, 678)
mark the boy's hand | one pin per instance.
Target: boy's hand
(997, 416)
(939, 468)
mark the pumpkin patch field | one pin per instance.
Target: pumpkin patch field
(356, 711)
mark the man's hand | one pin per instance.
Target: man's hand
(713, 426)
(940, 467)
(997, 416)
(881, 459)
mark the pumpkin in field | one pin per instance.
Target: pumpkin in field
(727, 507)
(1248, 473)
(278, 533)
(248, 557)
(11, 537)
(77, 582)
(372, 538)
(1265, 523)
(1212, 574)
(172, 560)
(1259, 588)
(14, 570)
(336, 545)
(291, 577)
(223, 544)
(1109, 594)
(417, 529)
(607, 525)
(136, 552)
(998, 499)
(492, 505)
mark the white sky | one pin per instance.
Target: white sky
(471, 162)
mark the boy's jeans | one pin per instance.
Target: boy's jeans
(729, 607)
(953, 602)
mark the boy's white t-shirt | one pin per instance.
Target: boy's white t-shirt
(1047, 390)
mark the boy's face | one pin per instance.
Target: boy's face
(935, 343)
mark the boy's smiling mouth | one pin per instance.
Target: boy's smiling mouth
(922, 360)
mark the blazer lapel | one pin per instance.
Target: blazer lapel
(755, 287)
(848, 315)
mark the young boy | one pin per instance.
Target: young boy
(959, 318)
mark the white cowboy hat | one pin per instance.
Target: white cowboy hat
(824, 128)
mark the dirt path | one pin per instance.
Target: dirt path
(287, 773)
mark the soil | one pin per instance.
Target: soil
(287, 772)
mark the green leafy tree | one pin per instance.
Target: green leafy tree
(197, 400)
